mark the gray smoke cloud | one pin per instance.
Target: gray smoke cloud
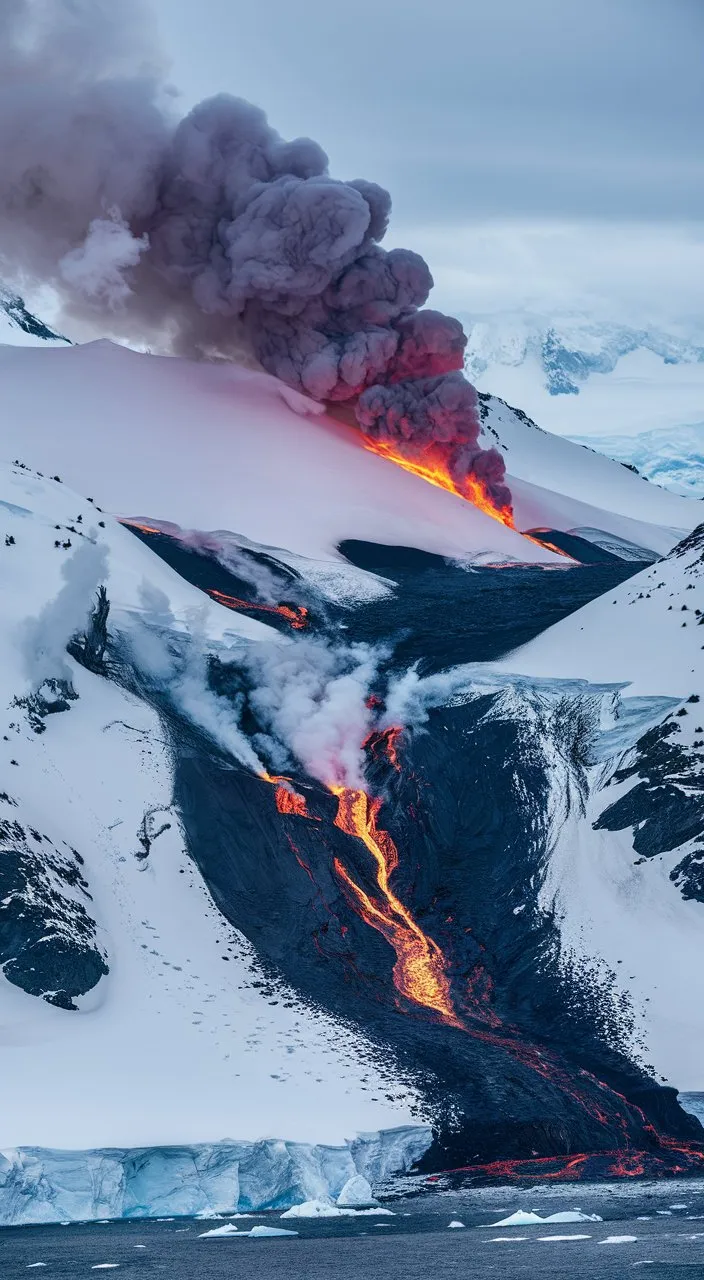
(211, 235)
(435, 418)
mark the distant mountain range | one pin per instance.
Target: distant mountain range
(569, 350)
(599, 382)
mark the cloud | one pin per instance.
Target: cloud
(466, 110)
(632, 272)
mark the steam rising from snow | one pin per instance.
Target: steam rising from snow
(210, 235)
(312, 696)
(44, 639)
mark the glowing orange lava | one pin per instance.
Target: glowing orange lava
(385, 741)
(288, 800)
(143, 528)
(295, 614)
(419, 972)
(432, 466)
(545, 542)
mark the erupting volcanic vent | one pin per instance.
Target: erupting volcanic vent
(211, 235)
(431, 427)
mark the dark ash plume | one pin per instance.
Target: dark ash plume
(207, 236)
(437, 420)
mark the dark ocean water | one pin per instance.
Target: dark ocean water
(417, 1241)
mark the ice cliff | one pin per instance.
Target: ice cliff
(40, 1185)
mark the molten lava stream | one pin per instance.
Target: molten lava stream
(288, 800)
(419, 972)
(433, 468)
(419, 975)
(385, 742)
(295, 614)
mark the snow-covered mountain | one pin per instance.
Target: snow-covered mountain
(626, 872)
(580, 377)
(20, 328)
(672, 457)
(271, 467)
(293, 829)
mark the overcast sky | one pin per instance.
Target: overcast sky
(538, 131)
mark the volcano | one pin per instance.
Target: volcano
(333, 803)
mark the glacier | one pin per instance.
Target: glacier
(672, 456)
(569, 348)
(40, 1185)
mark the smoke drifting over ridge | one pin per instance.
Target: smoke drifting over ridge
(213, 236)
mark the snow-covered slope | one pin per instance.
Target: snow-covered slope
(578, 377)
(559, 485)
(672, 457)
(625, 872)
(216, 447)
(179, 1036)
(649, 631)
(129, 770)
(219, 447)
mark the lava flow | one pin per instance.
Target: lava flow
(384, 742)
(419, 972)
(288, 800)
(432, 466)
(295, 614)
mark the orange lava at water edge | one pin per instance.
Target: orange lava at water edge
(419, 972)
(433, 468)
(296, 615)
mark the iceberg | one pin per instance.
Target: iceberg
(522, 1218)
(357, 1194)
(40, 1185)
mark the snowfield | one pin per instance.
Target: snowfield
(182, 983)
(217, 447)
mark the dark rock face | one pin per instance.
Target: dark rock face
(89, 649)
(14, 307)
(665, 807)
(52, 697)
(48, 943)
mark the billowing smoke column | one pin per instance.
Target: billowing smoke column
(214, 236)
